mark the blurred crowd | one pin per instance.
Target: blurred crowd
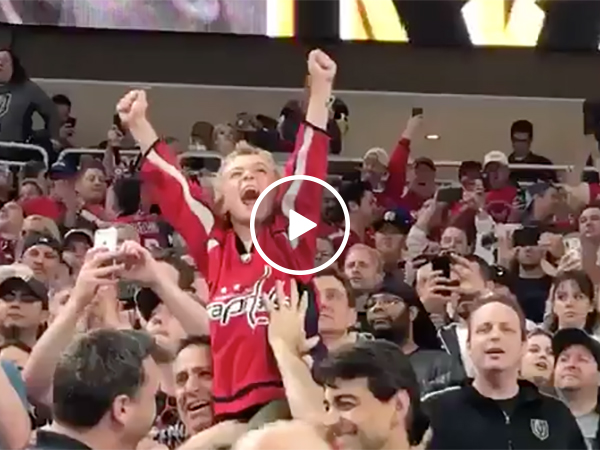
(136, 311)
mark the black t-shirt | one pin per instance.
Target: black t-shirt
(508, 405)
(532, 294)
(531, 175)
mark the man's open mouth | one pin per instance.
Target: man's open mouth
(249, 195)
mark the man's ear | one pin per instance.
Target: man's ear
(412, 313)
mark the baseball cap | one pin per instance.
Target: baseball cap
(79, 233)
(424, 331)
(41, 206)
(396, 218)
(33, 239)
(62, 170)
(379, 154)
(568, 337)
(495, 156)
(424, 160)
(19, 277)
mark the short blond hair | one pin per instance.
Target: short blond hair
(373, 254)
(242, 148)
(42, 225)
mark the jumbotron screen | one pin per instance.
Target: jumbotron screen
(511, 23)
(255, 17)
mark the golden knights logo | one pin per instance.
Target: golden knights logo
(540, 429)
(5, 103)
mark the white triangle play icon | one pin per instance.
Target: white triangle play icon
(298, 225)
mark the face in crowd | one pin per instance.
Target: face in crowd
(538, 361)
(389, 317)
(336, 311)
(455, 240)
(193, 385)
(373, 169)
(363, 267)
(243, 178)
(589, 223)
(75, 249)
(91, 185)
(530, 257)
(496, 337)
(390, 242)
(572, 300)
(29, 190)
(11, 218)
(497, 175)
(325, 251)
(44, 261)
(576, 370)
(366, 210)
(423, 180)
(21, 309)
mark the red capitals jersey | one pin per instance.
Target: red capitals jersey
(149, 229)
(245, 372)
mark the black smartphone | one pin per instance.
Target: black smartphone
(442, 263)
(117, 123)
(417, 112)
(591, 116)
(72, 122)
(449, 195)
(526, 237)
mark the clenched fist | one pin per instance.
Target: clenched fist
(321, 67)
(132, 107)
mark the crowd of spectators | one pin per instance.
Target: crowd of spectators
(135, 312)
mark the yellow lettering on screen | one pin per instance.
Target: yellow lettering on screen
(487, 24)
(280, 18)
(370, 20)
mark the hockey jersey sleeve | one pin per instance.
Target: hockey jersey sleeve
(179, 201)
(394, 187)
(305, 197)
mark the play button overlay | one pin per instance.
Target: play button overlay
(298, 224)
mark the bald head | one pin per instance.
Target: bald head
(283, 435)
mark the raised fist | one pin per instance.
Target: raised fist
(321, 67)
(132, 107)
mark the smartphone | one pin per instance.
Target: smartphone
(417, 112)
(526, 237)
(72, 122)
(442, 263)
(106, 238)
(126, 291)
(572, 244)
(449, 195)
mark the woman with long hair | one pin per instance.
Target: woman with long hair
(572, 303)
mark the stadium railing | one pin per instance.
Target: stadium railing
(18, 153)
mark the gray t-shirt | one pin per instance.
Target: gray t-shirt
(588, 424)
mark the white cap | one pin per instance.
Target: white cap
(380, 154)
(495, 156)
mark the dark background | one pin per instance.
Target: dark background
(574, 71)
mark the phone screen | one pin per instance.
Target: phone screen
(442, 263)
(417, 112)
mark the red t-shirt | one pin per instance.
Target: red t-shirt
(499, 202)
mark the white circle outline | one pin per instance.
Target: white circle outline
(262, 196)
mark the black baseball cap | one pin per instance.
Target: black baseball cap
(20, 278)
(34, 238)
(425, 161)
(568, 337)
(78, 234)
(396, 218)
